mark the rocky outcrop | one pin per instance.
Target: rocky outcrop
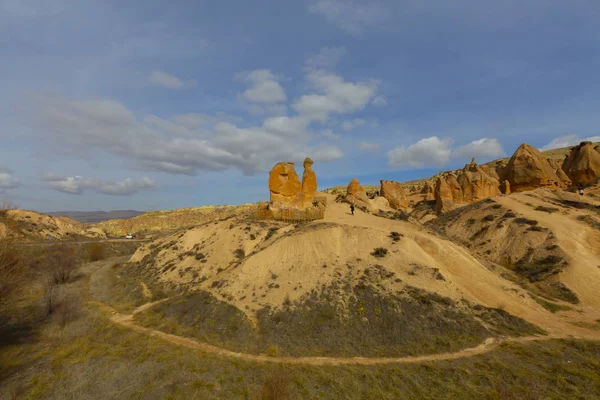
(393, 192)
(582, 165)
(528, 169)
(505, 187)
(290, 198)
(428, 191)
(472, 184)
(355, 194)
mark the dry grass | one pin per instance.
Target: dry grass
(11, 268)
(60, 262)
(95, 251)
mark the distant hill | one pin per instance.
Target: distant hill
(96, 216)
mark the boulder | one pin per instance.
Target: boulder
(582, 165)
(528, 169)
(393, 192)
(284, 185)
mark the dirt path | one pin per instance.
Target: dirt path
(127, 321)
(48, 242)
(146, 291)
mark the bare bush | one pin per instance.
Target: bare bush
(67, 310)
(6, 204)
(11, 267)
(61, 262)
(95, 251)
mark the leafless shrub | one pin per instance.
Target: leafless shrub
(61, 262)
(11, 267)
(67, 310)
(95, 251)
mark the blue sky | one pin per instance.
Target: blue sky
(154, 105)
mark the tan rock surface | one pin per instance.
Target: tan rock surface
(284, 184)
(309, 182)
(472, 184)
(393, 192)
(528, 169)
(582, 165)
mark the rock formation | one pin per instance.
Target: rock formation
(472, 184)
(505, 187)
(356, 195)
(582, 164)
(393, 192)
(284, 185)
(290, 197)
(309, 182)
(428, 191)
(528, 169)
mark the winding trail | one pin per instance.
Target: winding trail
(127, 321)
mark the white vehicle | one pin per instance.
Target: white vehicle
(129, 236)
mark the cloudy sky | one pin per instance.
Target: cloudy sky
(152, 104)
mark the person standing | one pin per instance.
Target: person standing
(352, 208)
(580, 189)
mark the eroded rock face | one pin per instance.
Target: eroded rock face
(284, 184)
(393, 192)
(309, 182)
(428, 191)
(528, 169)
(288, 194)
(472, 184)
(505, 187)
(582, 165)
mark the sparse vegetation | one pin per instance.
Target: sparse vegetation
(239, 253)
(379, 252)
(550, 306)
(525, 221)
(395, 236)
(549, 210)
(95, 251)
(488, 218)
(591, 221)
(271, 232)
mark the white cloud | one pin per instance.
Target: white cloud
(183, 144)
(328, 134)
(485, 148)
(327, 58)
(368, 146)
(7, 180)
(426, 152)
(567, 141)
(354, 123)
(352, 16)
(336, 96)
(379, 101)
(77, 185)
(264, 87)
(160, 78)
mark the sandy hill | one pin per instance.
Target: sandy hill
(96, 216)
(168, 220)
(33, 226)
(496, 266)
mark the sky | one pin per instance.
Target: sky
(160, 105)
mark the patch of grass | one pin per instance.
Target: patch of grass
(271, 232)
(379, 252)
(591, 221)
(549, 210)
(552, 307)
(95, 251)
(526, 221)
(273, 350)
(395, 236)
(239, 253)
